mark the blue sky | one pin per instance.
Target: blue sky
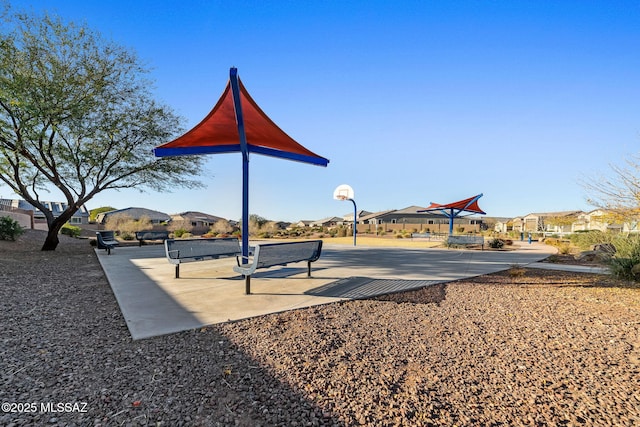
(411, 101)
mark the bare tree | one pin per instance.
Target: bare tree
(619, 192)
(77, 116)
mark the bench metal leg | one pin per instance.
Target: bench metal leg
(247, 285)
(177, 271)
(108, 250)
(308, 268)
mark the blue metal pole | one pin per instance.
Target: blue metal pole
(451, 223)
(235, 90)
(355, 222)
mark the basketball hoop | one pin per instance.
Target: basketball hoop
(345, 192)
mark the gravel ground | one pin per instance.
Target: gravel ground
(544, 348)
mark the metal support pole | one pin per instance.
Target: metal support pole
(235, 90)
(451, 223)
(355, 221)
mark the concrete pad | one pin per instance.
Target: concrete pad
(566, 267)
(154, 302)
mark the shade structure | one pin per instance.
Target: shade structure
(236, 124)
(218, 133)
(455, 209)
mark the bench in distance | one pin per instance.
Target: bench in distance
(106, 240)
(141, 236)
(421, 235)
(466, 240)
(272, 254)
(189, 250)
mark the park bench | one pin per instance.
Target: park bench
(141, 236)
(189, 250)
(421, 235)
(106, 240)
(271, 254)
(466, 240)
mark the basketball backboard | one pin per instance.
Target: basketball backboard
(343, 192)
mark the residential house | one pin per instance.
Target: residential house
(349, 217)
(600, 219)
(135, 214)
(302, 223)
(81, 216)
(501, 225)
(546, 222)
(409, 218)
(200, 222)
(327, 222)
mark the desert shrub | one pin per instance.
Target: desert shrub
(586, 239)
(180, 232)
(10, 229)
(179, 227)
(627, 257)
(221, 226)
(186, 235)
(70, 230)
(564, 249)
(517, 271)
(342, 232)
(496, 243)
(126, 235)
(126, 225)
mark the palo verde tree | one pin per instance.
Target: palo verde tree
(77, 116)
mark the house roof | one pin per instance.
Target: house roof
(326, 220)
(198, 215)
(410, 210)
(55, 207)
(136, 213)
(377, 214)
(560, 213)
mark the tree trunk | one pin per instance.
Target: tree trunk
(51, 242)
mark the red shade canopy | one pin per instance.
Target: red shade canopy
(218, 133)
(468, 205)
(452, 210)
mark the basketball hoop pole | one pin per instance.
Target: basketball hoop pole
(355, 221)
(345, 192)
